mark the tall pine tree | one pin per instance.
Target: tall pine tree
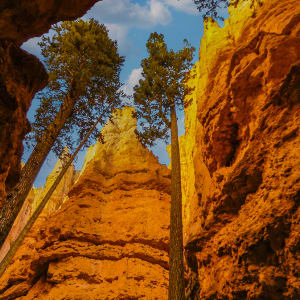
(157, 97)
(84, 82)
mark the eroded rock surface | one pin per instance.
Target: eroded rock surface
(241, 151)
(21, 76)
(35, 197)
(110, 239)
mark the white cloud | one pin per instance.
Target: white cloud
(159, 13)
(116, 31)
(119, 33)
(122, 15)
(130, 14)
(133, 79)
(186, 6)
(32, 46)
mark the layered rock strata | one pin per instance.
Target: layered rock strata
(22, 74)
(110, 239)
(242, 165)
(35, 197)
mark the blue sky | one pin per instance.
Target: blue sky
(130, 22)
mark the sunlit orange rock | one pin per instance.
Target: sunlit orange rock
(240, 181)
(35, 197)
(110, 238)
(241, 177)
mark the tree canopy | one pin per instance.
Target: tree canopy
(83, 63)
(84, 83)
(164, 73)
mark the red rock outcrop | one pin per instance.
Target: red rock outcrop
(22, 74)
(242, 164)
(110, 238)
(23, 19)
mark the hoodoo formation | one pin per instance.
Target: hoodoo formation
(108, 239)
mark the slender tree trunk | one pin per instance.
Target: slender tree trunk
(29, 172)
(176, 270)
(16, 244)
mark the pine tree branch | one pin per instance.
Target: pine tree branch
(167, 122)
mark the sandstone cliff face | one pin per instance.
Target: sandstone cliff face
(22, 74)
(241, 185)
(35, 197)
(242, 165)
(110, 238)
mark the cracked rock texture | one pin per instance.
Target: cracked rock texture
(22, 74)
(241, 162)
(110, 238)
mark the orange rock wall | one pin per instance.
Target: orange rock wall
(110, 238)
(240, 180)
(35, 197)
(241, 152)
